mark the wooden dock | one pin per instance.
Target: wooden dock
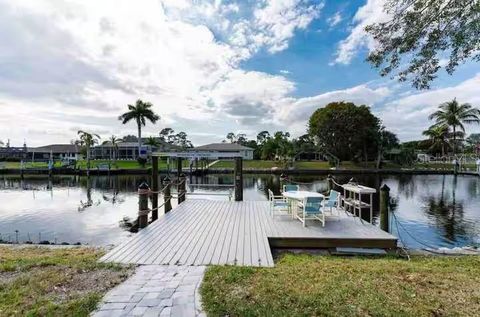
(202, 232)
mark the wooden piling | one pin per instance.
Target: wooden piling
(143, 192)
(330, 182)
(155, 188)
(179, 167)
(167, 194)
(238, 179)
(181, 188)
(384, 204)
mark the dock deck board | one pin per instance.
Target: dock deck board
(202, 232)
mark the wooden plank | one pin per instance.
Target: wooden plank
(223, 236)
(264, 216)
(148, 253)
(232, 250)
(223, 256)
(194, 247)
(166, 223)
(183, 239)
(215, 238)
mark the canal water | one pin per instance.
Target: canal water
(430, 210)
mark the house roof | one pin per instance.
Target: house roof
(222, 147)
(56, 148)
(161, 144)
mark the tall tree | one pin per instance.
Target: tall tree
(423, 31)
(140, 113)
(345, 131)
(151, 141)
(454, 115)
(439, 136)
(181, 139)
(114, 141)
(88, 140)
(386, 141)
(262, 137)
(166, 135)
(231, 137)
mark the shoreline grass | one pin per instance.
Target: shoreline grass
(305, 285)
(38, 281)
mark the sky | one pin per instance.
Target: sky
(208, 67)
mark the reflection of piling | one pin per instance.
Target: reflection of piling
(384, 202)
(167, 194)
(143, 192)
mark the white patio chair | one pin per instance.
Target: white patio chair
(312, 209)
(277, 203)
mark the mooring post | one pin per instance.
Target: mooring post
(238, 179)
(167, 194)
(330, 182)
(179, 167)
(384, 202)
(143, 192)
(154, 188)
(181, 188)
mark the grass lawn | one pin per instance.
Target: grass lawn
(303, 285)
(54, 282)
(247, 164)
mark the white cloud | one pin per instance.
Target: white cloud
(371, 12)
(76, 64)
(335, 19)
(408, 116)
(294, 113)
(284, 71)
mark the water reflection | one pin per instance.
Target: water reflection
(442, 210)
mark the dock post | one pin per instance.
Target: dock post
(330, 182)
(155, 188)
(181, 188)
(238, 179)
(143, 192)
(167, 194)
(384, 202)
(179, 167)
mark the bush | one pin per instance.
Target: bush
(142, 161)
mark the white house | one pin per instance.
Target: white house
(225, 148)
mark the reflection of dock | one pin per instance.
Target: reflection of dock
(199, 232)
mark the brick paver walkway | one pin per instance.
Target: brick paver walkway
(156, 290)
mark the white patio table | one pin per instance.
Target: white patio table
(299, 196)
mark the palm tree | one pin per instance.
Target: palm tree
(140, 113)
(114, 141)
(438, 135)
(453, 114)
(151, 141)
(88, 140)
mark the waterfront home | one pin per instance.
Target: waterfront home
(56, 151)
(128, 150)
(231, 148)
(69, 152)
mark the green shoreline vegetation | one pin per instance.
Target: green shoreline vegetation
(306, 285)
(43, 281)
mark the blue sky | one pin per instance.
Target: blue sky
(209, 67)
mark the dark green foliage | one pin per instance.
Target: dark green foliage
(142, 161)
(347, 131)
(422, 32)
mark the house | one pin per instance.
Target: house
(128, 150)
(229, 148)
(56, 151)
(69, 152)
